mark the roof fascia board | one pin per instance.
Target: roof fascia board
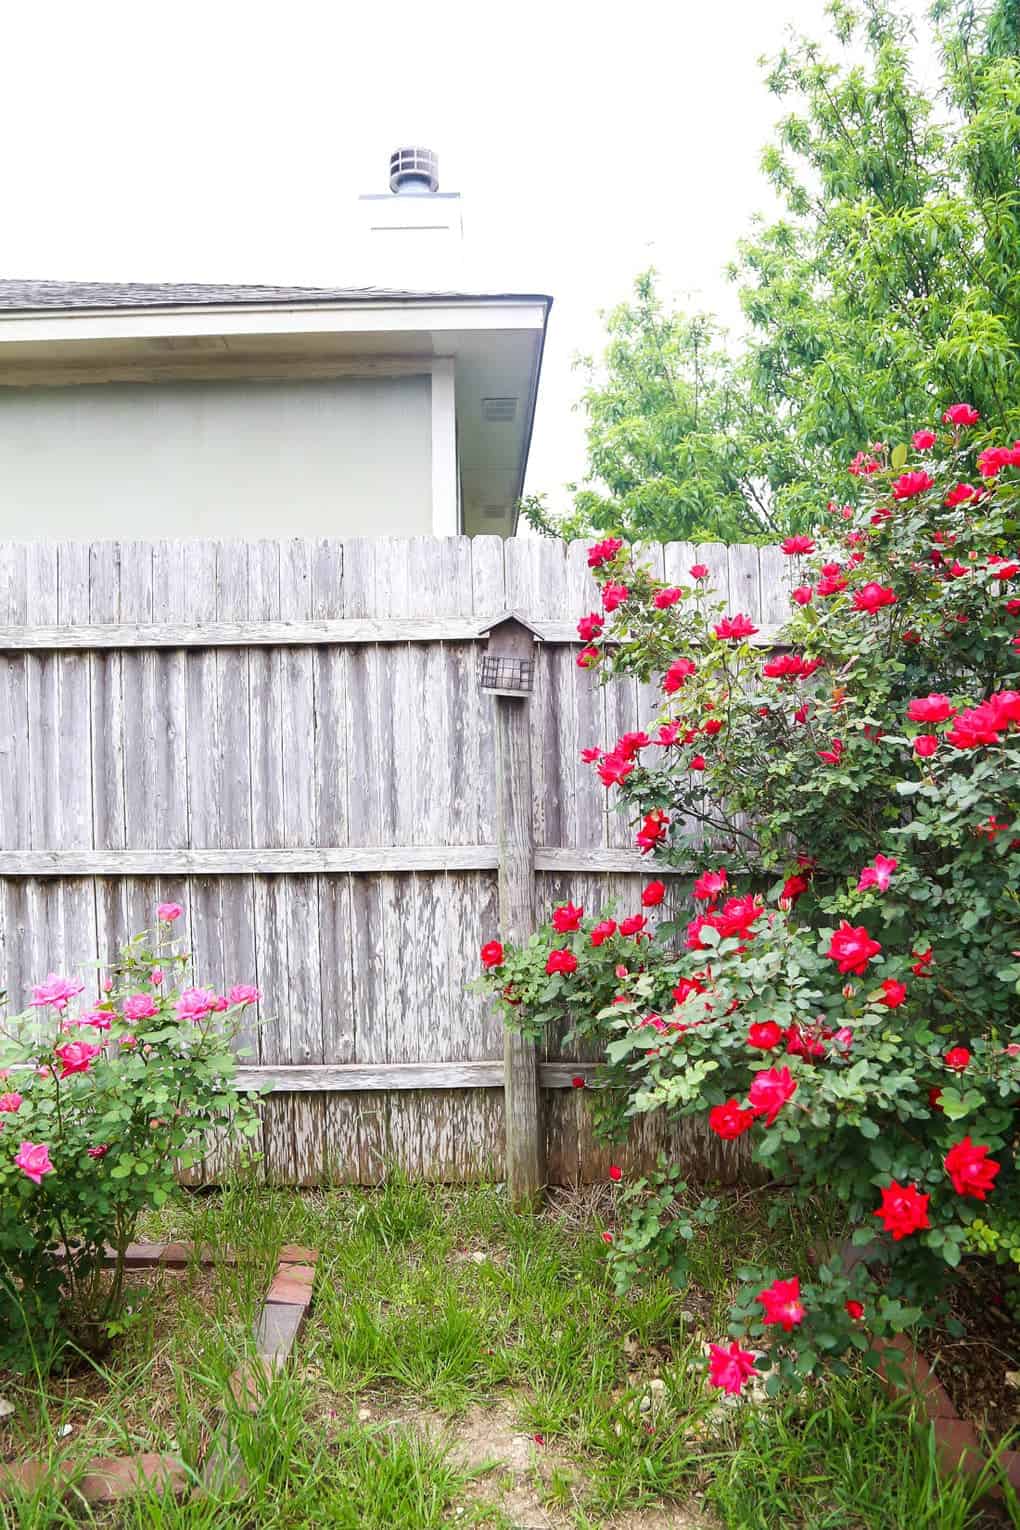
(339, 318)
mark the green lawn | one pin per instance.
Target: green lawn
(466, 1366)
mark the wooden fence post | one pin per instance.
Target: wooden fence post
(515, 841)
(515, 838)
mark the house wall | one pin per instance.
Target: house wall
(343, 456)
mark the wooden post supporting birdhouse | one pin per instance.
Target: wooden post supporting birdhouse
(508, 669)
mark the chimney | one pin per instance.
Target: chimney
(414, 172)
(411, 236)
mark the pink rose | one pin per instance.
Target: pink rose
(56, 991)
(100, 1151)
(243, 993)
(76, 1057)
(140, 1006)
(10, 1102)
(166, 913)
(33, 1159)
(195, 1003)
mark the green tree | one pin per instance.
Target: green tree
(890, 281)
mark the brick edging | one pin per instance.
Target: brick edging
(956, 1439)
(107, 1479)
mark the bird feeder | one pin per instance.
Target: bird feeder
(508, 663)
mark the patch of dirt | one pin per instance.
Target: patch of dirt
(76, 1399)
(980, 1369)
(515, 1470)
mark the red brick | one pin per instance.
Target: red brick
(956, 1444)
(293, 1253)
(177, 1255)
(26, 1476)
(109, 1478)
(248, 1383)
(918, 1378)
(290, 1290)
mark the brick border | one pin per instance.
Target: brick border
(956, 1439)
(107, 1479)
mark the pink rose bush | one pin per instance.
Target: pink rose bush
(101, 1103)
(839, 1001)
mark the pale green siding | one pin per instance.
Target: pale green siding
(342, 457)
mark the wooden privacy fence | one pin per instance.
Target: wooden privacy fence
(289, 738)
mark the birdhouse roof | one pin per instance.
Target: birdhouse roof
(510, 616)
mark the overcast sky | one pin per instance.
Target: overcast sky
(216, 141)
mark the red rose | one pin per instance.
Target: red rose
(782, 1304)
(653, 831)
(602, 931)
(730, 1120)
(603, 552)
(934, 1096)
(770, 1091)
(862, 465)
(732, 628)
(634, 925)
(852, 948)
(677, 674)
(765, 1034)
(910, 484)
(614, 768)
(793, 888)
(588, 658)
(802, 594)
(566, 919)
(961, 414)
(730, 1368)
(698, 571)
(872, 597)
(893, 993)
(855, 1309)
(925, 745)
(577, 1082)
(879, 874)
(590, 626)
(923, 440)
(971, 1170)
(614, 595)
(933, 708)
(492, 954)
(709, 885)
(615, 1173)
(561, 961)
(834, 754)
(667, 597)
(903, 1210)
(797, 546)
(957, 1058)
(697, 762)
(653, 894)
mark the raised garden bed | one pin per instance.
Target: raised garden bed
(106, 1478)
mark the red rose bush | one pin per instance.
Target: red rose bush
(100, 1105)
(841, 997)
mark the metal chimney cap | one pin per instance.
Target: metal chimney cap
(414, 171)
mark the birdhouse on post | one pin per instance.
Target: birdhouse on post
(508, 675)
(508, 663)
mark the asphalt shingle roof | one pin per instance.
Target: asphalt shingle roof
(31, 296)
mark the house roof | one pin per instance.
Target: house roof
(57, 333)
(17, 296)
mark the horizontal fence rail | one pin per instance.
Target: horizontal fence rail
(289, 739)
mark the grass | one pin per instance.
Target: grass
(448, 1332)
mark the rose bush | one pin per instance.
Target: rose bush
(100, 1104)
(844, 998)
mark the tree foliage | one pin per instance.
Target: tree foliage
(889, 281)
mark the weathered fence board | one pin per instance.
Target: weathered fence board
(289, 739)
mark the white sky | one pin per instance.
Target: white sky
(221, 141)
